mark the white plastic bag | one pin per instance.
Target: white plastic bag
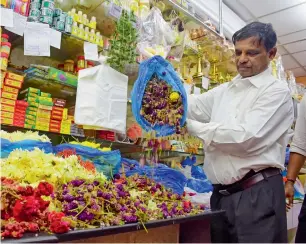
(102, 98)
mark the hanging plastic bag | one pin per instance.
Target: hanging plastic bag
(155, 36)
(7, 146)
(102, 98)
(159, 100)
(200, 186)
(109, 163)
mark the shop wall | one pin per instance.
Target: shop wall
(301, 79)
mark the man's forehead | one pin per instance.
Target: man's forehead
(252, 42)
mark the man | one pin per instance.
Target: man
(244, 125)
(296, 161)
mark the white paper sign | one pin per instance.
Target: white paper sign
(55, 38)
(37, 39)
(115, 11)
(187, 88)
(205, 82)
(91, 51)
(7, 17)
(20, 23)
(196, 90)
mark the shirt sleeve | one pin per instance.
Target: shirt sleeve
(200, 106)
(270, 117)
(298, 144)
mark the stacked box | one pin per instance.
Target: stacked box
(30, 95)
(12, 110)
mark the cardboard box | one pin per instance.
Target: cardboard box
(9, 95)
(8, 115)
(10, 89)
(6, 121)
(13, 76)
(8, 101)
(7, 108)
(13, 83)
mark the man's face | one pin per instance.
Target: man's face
(252, 57)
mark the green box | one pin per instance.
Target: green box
(61, 76)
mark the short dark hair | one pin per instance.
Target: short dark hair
(264, 33)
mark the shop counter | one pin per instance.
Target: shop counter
(191, 229)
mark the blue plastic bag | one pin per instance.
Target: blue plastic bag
(164, 70)
(197, 172)
(7, 146)
(168, 177)
(108, 163)
(200, 186)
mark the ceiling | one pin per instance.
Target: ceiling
(288, 18)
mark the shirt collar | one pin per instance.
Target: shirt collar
(256, 80)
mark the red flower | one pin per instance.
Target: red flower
(55, 216)
(26, 208)
(44, 189)
(5, 215)
(25, 191)
(187, 204)
(60, 227)
(32, 227)
(43, 205)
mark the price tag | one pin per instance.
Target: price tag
(115, 11)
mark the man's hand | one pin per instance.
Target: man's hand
(289, 192)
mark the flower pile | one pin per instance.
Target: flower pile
(20, 136)
(161, 105)
(34, 166)
(123, 200)
(25, 209)
(87, 204)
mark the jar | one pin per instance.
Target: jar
(81, 62)
(4, 38)
(69, 66)
(80, 17)
(93, 22)
(3, 61)
(84, 19)
(6, 47)
(92, 36)
(90, 64)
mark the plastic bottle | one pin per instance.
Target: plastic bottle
(92, 36)
(84, 19)
(93, 22)
(74, 15)
(86, 33)
(80, 17)
(98, 38)
(81, 31)
(75, 29)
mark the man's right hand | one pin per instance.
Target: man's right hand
(289, 192)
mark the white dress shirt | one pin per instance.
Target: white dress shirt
(298, 144)
(244, 125)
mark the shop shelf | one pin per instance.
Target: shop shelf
(126, 149)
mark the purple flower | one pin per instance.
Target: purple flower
(72, 205)
(76, 183)
(90, 187)
(86, 216)
(202, 207)
(120, 187)
(136, 204)
(95, 207)
(143, 209)
(123, 208)
(96, 183)
(80, 198)
(68, 198)
(99, 193)
(73, 213)
(65, 192)
(82, 203)
(121, 194)
(130, 219)
(64, 186)
(153, 189)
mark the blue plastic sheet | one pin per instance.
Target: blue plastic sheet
(164, 70)
(170, 178)
(7, 146)
(108, 163)
(200, 186)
